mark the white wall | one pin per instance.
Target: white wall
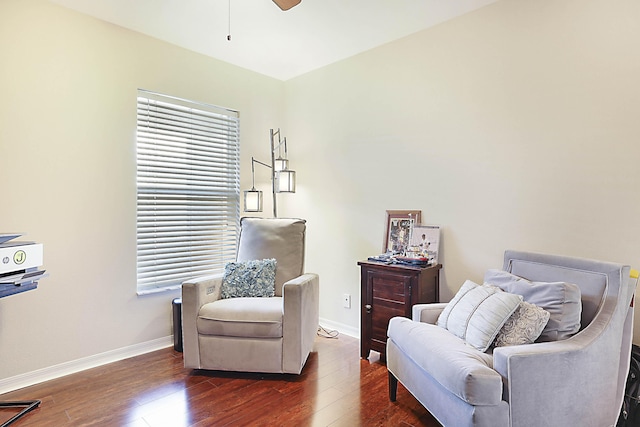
(67, 166)
(515, 126)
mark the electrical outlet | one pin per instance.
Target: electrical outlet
(346, 301)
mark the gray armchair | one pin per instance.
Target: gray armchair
(255, 334)
(578, 381)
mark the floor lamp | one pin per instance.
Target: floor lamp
(283, 180)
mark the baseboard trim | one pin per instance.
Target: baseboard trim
(56, 371)
(71, 367)
(340, 327)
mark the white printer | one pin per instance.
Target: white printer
(19, 261)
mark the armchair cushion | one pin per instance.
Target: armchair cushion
(255, 278)
(560, 299)
(242, 317)
(477, 312)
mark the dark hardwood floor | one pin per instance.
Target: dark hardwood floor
(336, 388)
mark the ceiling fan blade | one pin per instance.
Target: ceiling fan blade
(286, 4)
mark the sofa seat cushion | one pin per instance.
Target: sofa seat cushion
(461, 369)
(242, 317)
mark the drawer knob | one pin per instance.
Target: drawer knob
(368, 308)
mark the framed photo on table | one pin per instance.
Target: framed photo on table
(399, 225)
(426, 239)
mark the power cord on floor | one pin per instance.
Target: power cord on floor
(326, 333)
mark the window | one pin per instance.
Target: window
(188, 190)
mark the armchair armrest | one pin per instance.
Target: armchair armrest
(195, 293)
(569, 371)
(428, 313)
(300, 320)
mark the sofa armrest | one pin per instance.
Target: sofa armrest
(300, 320)
(428, 313)
(196, 293)
(570, 370)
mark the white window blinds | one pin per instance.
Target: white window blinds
(188, 190)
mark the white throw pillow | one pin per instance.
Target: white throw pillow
(477, 313)
(524, 326)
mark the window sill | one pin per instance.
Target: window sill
(149, 291)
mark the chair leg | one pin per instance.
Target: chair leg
(393, 387)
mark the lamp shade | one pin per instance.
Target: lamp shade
(280, 164)
(285, 181)
(253, 200)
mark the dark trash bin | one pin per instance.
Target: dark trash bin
(177, 324)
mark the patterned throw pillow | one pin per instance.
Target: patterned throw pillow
(524, 326)
(254, 278)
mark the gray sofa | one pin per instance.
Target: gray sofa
(578, 381)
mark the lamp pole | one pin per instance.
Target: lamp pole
(273, 172)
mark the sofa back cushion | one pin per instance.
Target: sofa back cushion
(592, 277)
(560, 299)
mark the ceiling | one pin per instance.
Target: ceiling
(270, 41)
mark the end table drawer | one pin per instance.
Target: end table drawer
(388, 287)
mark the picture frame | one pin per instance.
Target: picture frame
(426, 240)
(399, 225)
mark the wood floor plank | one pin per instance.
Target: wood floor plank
(336, 388)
